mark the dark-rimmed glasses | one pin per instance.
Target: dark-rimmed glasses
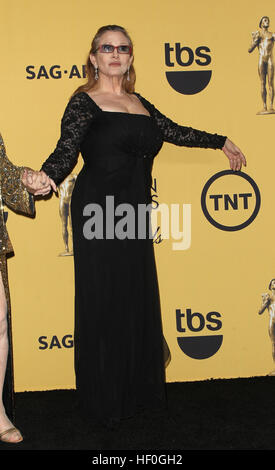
(109, 48)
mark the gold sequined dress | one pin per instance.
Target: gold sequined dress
(14, 195)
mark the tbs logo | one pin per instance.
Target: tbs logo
(187, 82)
(201, 346)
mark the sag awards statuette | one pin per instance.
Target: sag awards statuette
(264, 41)
(268, 303)
(65, 193)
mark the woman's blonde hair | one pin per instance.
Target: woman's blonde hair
(128, 85)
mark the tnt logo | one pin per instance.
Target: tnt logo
(199, 346)
(230, 200)
(187, 82)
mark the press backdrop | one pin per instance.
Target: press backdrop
(192, 62)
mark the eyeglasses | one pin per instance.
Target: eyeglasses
(109, 48)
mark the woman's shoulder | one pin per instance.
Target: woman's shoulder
(144, 100)
(81, 97)
(153, 111)
(139, 95)
(81, 101)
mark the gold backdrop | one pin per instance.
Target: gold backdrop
(210, 288)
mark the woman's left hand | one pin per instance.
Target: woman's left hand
(37, 182)
(235, 156)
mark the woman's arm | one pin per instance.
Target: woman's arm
(74, 125)
(14, 193)
(189, 137)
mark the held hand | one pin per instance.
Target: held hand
(47, 184)
(37, 182)
(234, 154)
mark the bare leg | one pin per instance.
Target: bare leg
(5, 423)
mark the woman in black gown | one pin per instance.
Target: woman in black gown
(118, 333)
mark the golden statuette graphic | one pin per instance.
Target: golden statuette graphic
(65, 194)
(268, 302)
(264, 41)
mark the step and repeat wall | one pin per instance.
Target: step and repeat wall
(208, 65)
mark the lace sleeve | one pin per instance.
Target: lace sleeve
(181, 135)
(74, 125)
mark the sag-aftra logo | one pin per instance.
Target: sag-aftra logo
(54, 72)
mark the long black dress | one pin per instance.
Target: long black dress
(118, 331)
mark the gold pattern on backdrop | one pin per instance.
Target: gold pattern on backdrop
(65, 193)
(264, 41)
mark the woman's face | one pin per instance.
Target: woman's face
(112, 64)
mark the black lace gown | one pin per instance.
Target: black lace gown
(119, 362)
